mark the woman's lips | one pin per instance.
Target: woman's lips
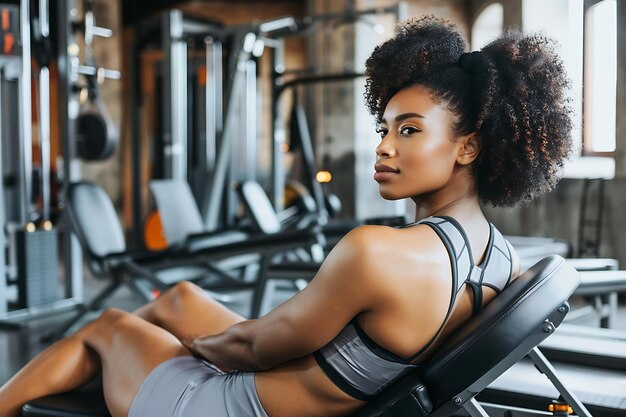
(384, 176)
(384, 173)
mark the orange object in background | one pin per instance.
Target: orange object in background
(9, 43)
(6, 20)
(202, 75)
(153, 234)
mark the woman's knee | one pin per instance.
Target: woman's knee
(180, 295)
(170, 303)
(112, 315)
(186, 289)
(110, 320)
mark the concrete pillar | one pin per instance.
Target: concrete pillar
(620, 129)
(344, 132)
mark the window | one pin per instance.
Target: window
(562, 20)
(487, 26)
(600, 86)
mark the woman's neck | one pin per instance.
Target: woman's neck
(458, 198)
(461, 208)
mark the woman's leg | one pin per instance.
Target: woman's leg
(187, 311)
(79, 364)
(127, 346)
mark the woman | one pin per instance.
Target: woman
(455, 128)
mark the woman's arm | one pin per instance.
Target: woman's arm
(346, 284)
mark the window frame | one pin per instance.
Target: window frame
(587, 143)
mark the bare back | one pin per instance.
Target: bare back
(407, 275)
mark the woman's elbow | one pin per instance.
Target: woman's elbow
(260, 360)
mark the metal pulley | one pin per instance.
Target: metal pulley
(96, 134)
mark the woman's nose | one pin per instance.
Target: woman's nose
(385, 148)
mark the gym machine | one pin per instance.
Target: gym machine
(29, 275)
(199, 101)
(38, 235)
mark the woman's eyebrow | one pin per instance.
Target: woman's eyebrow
(403, 116)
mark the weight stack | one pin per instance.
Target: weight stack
(37, 267)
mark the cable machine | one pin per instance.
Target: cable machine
(196, 129)
(208, 85)
(36, 230)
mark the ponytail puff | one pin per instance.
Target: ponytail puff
(483, 72)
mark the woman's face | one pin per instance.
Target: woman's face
(416, 155)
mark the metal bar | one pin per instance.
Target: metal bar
(218, 183)
(26, 134)
(212, 99)
(309, 158)
(68, 106)
(213, 114)
(174, 99)
(58, 307)
(323, 78)
(548, 370)
(474, 409)
(179, 111)
(251, 121)
(582, 242)
(106, 73)
(355, 13)
(510, 411)
(244, 141)
(600, 216)
(135, 270)
(102, 32)
(135, 87)
(608, 310)
(44, 139)
(44, 21)
(277, 186)
(260, 287)
(3, 219)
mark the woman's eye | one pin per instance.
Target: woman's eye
(408, 130)
(382, 132)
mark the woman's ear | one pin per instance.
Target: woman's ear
(469, 149)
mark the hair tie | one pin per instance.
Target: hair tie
(471, 61)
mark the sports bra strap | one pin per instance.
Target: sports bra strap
(464, 271)
(452, 254)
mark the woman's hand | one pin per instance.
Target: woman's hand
(193, 346)
(228, 350)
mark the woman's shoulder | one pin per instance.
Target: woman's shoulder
(383, 238)
(399, 252)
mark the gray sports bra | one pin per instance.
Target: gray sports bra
(361, 367)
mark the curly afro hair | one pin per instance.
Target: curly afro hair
(512, 93)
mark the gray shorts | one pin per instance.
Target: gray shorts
(186, 386)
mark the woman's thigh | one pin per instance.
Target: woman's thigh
(129, 348)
